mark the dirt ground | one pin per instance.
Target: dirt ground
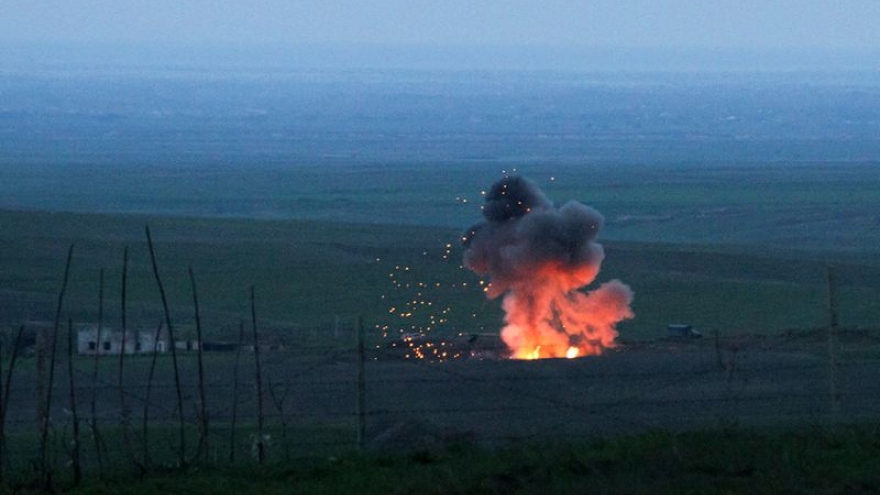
(668, 384)
(674, 384)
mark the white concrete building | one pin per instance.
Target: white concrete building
(110, 341)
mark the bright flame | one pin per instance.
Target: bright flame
(546, 318)
(539, 260)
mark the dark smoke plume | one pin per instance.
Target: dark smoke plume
(539, 257)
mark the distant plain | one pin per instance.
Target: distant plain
(725, 195)
(340, 197)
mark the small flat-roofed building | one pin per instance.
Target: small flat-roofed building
(107, 341)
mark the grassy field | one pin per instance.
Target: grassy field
(312, 276)
(305, 273)
(726, 198)
(665, 415)
(809, 460)
(806, 206)
(738, 252)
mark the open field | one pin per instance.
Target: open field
(341, 198)
(429, 410)
(317, 275)
(814, 206)
(774, 159)
(725, 201)
(769, 366)
(793, 460)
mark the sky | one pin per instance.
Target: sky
(683, 25)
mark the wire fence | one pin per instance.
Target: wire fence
(333, 400)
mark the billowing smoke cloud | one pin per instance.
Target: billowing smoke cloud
(538, 258)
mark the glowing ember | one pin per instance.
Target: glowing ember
(538, 258)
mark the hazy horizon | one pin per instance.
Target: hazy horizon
(458, 34)
(30, 56)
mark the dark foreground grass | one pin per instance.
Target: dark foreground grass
(804, 460)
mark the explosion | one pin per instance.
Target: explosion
(539, 258)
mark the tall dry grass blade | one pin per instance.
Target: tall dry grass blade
(4, 401)
(93, 406)
(124, 411)
(120, 381)
(75, 458)
(177, 386)
(45, 469)
(204, 444)
(260, 445)
(235, 392)
(145, 417)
